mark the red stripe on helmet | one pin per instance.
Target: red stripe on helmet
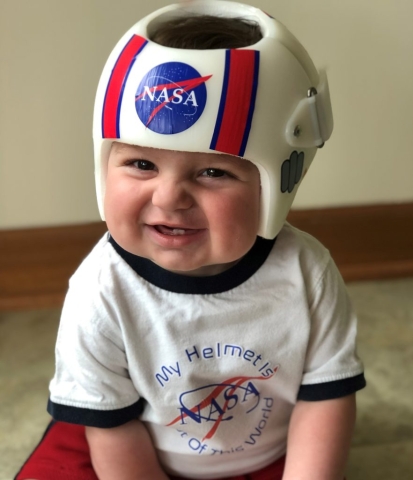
(239, 102)
(114, 91)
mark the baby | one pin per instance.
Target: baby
(204, 337)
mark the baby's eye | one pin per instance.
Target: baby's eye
(143, 165)
(214, 172)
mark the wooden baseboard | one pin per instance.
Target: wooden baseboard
(36, 264)
(373, 242)
(367, 243)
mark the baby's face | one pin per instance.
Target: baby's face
(190, 213)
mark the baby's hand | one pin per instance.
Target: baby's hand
(125, 453)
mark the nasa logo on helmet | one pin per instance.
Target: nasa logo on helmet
(171, 98)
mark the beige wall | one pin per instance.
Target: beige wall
(52, 52)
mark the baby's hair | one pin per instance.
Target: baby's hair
(205, 32)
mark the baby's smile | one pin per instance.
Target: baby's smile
(165, 230)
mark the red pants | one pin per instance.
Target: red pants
(63, 454)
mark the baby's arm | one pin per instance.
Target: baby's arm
(319, 439)
(124, 453)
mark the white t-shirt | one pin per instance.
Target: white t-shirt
(212, 365)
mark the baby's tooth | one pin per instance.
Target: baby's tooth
(178, 231)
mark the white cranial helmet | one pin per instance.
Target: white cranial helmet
(265, 102)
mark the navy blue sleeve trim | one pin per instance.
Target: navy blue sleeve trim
(330, 390)
(94, 418)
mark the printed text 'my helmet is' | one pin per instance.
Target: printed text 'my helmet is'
(266, 102)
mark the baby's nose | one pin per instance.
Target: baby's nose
(172, 195)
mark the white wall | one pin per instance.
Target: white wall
(52, 53)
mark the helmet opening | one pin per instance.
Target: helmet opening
(205, 32)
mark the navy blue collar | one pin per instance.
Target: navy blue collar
(178, 283)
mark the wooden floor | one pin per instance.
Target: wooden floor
(366, 243)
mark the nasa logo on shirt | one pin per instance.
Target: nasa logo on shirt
(171, 98)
